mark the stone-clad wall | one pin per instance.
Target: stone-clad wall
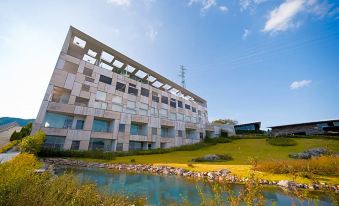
(69, 74)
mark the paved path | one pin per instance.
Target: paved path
(7, 156)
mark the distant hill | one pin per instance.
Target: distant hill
(21, 122)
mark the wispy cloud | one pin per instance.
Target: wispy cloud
(205, 4)
(245, 34)
(120, 2)
(151, 33)
(249, 4)
(223, 8)
(284, 16)
(300, 84)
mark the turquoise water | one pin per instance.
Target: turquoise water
(162, 190)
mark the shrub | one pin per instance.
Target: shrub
(98, 154)
(9, 146)
(25, 131)
(281, 141)
(32, 144)
(324, 165)
(95, 154)
(213, 158)
(20, 185)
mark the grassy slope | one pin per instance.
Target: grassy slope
(241, 151)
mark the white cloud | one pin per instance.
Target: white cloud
(223, 8)
(300, 84)
(120, 2)
(246, 33)
(281, 18)
(151, 33)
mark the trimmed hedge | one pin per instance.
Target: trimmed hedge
(281, 141)
(99, 154)
(220, 158)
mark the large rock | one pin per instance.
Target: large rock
(314, 152)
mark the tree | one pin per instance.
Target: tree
(225, 121)
(33, 144)
(25, 131)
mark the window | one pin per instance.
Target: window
(187, 106)
(154, 131)
(105, 79)
(138, 129)
(164, 99)
(119, 147)
(155, 97)
(88, 72)
(167, 132)
(120, 87)
(55, 120)
(131, 104)
(199, 112)
(61, 95)
(180, 117)
(132, 89)
(180, 104)
(100, 144)
(133, 145)
(144, 92)
(187, 118)
(194, 119)
(173, 116)
(117, 99)
(80, 124)
(122, 128)
(194, 109)
(163, 113)
(101, 126)
(79, 101)
(101, 96)
(180, 133)
(173, 103)
(75, 145)
(85, 87)
(55, 142)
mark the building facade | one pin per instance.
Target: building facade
(328, 127)
(98, 98)
(253, 127)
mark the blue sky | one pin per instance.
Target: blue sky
(275, 61)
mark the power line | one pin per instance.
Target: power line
(182, 75)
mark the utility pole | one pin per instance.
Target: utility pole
(182, 74)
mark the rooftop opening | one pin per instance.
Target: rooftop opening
(106, 56)
(79, 42)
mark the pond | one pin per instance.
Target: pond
(162, 190)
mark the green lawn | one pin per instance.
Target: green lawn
(241, 150)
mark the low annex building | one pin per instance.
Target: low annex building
(327, 127)
(98, 98)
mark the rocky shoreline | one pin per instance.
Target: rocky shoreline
(222, 175)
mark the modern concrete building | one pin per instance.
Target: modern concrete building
(328, 127)
(253, 127)
(98, 98)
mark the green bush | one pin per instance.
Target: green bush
(219, 158)
(25, 131)
(32, 144)
(20, 185)
(98, 154)
(9, 146)
(281, 141)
